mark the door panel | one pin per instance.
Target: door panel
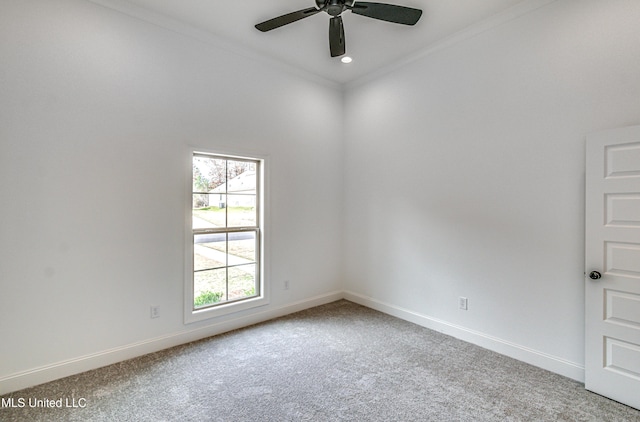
(622, 308)
(622, 357)
(622, 209)
(622, 258)
(622, 160)
(612, 302)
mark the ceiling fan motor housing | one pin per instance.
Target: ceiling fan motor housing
(334, 7)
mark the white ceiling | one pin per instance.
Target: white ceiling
(372, 44)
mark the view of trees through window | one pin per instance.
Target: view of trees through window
(225, 229)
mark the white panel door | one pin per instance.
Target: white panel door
(612, 283)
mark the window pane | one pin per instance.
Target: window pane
(242, 178)
(209, 211)
(242, 282)
(241, 211)
(209, 251)
(209, 287)
(200, 200)
(242, 248)
(208, 173)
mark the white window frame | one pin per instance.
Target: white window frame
(192, 315)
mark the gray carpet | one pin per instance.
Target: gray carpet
(337, 362)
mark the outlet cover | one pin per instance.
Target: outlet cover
(155, 311)
(462, 303)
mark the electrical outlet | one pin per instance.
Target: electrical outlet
(462, 303)
(285, 285)
(155, 311)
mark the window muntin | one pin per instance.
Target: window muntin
(225, 230)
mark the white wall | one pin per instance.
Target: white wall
(477, 150)
(97, 111)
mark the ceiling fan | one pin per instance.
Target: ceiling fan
(386, 12)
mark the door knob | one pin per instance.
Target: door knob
(595, 275)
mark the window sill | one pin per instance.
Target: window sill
(192, 316)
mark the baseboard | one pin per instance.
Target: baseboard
(29, 378)
(40, 375)
(551, 363)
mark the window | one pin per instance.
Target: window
(225, 237)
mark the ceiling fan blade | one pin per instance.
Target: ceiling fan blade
(387, 12)
(286, 19)
(336, 36)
